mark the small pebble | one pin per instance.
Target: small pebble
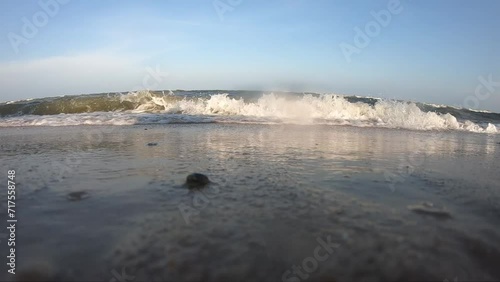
(77, 196)
(430, 209)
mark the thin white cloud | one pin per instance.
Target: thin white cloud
(83, 73)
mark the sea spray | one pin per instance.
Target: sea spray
(153, 107)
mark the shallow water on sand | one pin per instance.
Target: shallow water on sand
(394, 204)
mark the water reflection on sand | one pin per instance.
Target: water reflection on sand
(276, 189)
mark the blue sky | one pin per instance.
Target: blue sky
(431, 51)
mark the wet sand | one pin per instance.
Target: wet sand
(286, 203)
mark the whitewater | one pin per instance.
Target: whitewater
(240, 107)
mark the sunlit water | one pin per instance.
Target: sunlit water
(276, 191)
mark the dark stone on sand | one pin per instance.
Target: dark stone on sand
(152, 144)
(197, 180)
(77, 196)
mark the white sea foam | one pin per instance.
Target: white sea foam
(270, 108)
(68, 120)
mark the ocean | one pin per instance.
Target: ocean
(303, 187)
(215, 106)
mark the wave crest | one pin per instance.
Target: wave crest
(146, 107)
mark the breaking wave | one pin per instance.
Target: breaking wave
(147, 107)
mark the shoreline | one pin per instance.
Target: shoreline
(276, 190)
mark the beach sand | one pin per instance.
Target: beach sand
(286, 203)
